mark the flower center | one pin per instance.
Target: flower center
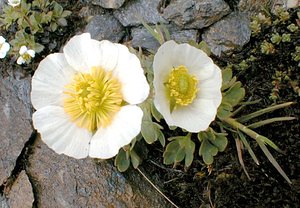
(181, 87)
(26, 57)
(93, 99)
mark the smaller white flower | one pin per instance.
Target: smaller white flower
(25, 55)
(187, 86)
(4, 47)
(14, 3)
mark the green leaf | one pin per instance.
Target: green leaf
(246, 144)
(224, 110)
(273, 160)
(122, 161)
(204, 47)
(171, 152)
(220, 142)
(226, 75)
(135, 159)
(211, 144)
(189, 152)
(235, 94)
(151, 131)
(180, 148)
(155, 112)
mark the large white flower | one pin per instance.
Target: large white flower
(187, 86)
(4, 47)
(86, 98)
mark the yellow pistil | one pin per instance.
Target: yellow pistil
(181, 87)
(93, 99)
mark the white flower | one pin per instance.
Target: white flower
(14, 3)
(4, 47)
(25, 55)
(187, 86)
(86, 98)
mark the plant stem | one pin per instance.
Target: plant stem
(268, 121)
(237, 125)
(263, 111)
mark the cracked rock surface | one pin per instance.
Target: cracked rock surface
(61, 181)
(15, 121)
(230, 33)
(195, 14)
(21, 194)
(134, 12)
(105, 27)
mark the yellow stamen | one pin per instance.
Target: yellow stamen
(93, 98)
(181, 87)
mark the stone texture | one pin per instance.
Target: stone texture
(109, 4)
(15, 121)
(105, 26)
(141, 37)
(21, 194)
(195, 14)
(60, 181)
(3, 202)
(230, 33)
(135, 11)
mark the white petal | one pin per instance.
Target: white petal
(171, 55)
(48, 82)
(164, 61)
(194, 118)
(109, 55)
(82, 52)
(135, 88)
(2, 54)
(125, 126)
(20, 60)
(22, 50)
(211, 88)
(2, 39)
(5, 47)
(31, 53)
(60, 134)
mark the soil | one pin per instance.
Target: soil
(225, 184)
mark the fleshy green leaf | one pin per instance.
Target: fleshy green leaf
(224, 110)
(151, 131)
(122, 160)
(135, 159)
(234, 95)
(180, 148)
(211, 144)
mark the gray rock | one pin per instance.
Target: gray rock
(61, 181)
(106, 27)
(3, 202)
(109, 4)
(21, 194)
(230, 33)
(15, 122)
(142, 38)
(134, 12)
(195, 14)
